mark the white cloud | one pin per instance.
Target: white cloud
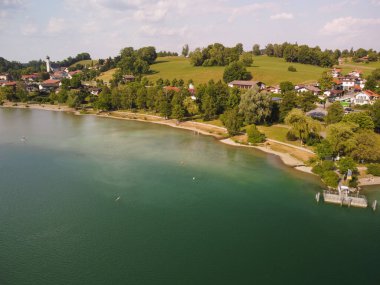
(282, 16)
(169, 32)
(347, 25)
(249, 9)
(376, 2)
(56, 25)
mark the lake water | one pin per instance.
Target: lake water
(191, 210)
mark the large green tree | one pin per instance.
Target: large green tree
(341, 137)
(362, 119)
(232, 120)
(302, 126)
(255, 106)
(335, 113)
(236, 71)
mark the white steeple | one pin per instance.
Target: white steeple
(48, 67)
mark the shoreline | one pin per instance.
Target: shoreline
(217, 132)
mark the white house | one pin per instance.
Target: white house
(336, 72)
(246, 84)
(361, 99)
(274, 89)
(355, 73)
(4, 77)
(348, 83)
(308, 88)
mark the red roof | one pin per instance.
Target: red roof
(337, 81)
(51, 81)
(168, 88)
(74, 72)
(27, 76)
(371, 93)
(357, 87)
(9, 83)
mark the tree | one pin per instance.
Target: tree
(306, 101)
(362, 119)
(286, 86)
(302, 126)
(236, 71)
(178, 111)
(185, 50)
(190, 106)
(147, 54)
(6, 93)
(256, 50)
(246, 59)
(367, 147)
(254, 135)
(239, 48)
(371, 83)
(324, 150)
(341, 137)
(326, 81)
(105, 100)
(255, 106)
(288, 103)
(375, 114)
(335, 113)
(269, 50)
(232, 121)
(346, 163)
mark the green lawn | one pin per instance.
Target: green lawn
(367, 68)
(269, 70)
(87, 62)
(278, 133)
(107, 76)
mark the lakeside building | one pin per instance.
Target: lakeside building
(247, 84)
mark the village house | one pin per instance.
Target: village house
(4, 76)
(336, 72)
(348, 83)
(30, 77)
(365, 97)
(59, 75)
(308, 88)
(49, 85)
(274, 89)
(9, 84)
(246, 84)
(70, 74)
(356, 73)
(128, 78)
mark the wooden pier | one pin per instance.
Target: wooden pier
(345, 199)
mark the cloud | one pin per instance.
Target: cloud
(375, 2)
(11, 4)
(56, 25)
(282, 16)
(168, 32)
(249, 9)
(348, 25)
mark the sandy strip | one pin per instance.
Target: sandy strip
(286, 158)
(368, 181)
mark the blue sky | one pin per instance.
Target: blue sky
(35, 28)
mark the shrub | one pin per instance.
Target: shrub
(254, 135)
(291, 68)
(290, 136)
(345, 164)
(374, 169)
(323, 167)
(330, 178)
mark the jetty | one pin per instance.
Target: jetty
(345, 197)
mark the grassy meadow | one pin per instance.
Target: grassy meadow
(269, 70)
(87, 62)
(367, 68)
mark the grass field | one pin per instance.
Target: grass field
(107, 76)
(87, 62)
(367, 68)
(269, 70)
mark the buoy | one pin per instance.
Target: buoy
(193, 178)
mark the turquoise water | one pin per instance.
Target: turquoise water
(191, 210)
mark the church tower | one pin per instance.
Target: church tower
(48, 67)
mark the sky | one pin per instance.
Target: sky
(32, 29)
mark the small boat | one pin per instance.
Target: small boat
(317, 197)
(374, 205)
(23, 139)
(117, 199)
